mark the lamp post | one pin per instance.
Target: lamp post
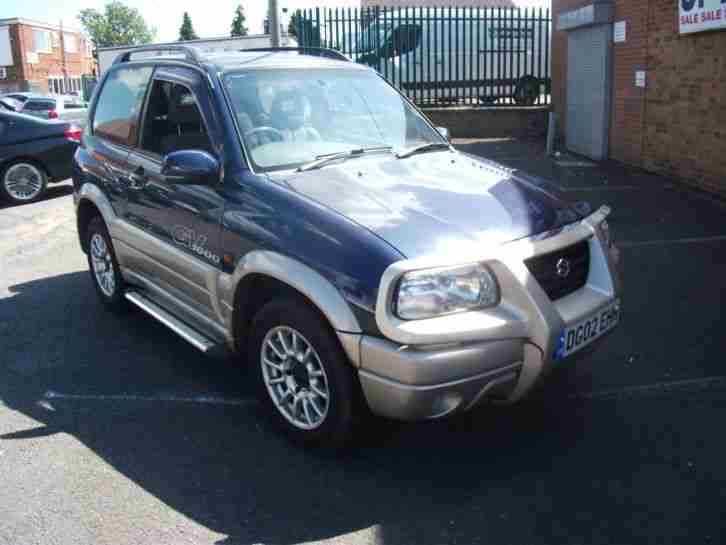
(274, 23)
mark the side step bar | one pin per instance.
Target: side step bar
(198, 340)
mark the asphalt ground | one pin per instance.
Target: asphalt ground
(113, 430)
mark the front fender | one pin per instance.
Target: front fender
(297, 275)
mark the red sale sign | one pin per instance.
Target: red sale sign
(701, 15)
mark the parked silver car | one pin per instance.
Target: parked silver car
(66, 108)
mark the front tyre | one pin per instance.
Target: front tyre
(305, 381)
(103, 266)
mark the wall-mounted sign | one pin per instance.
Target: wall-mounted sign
(31, 57)
(640, 78)
(619, 32)
(700, 15)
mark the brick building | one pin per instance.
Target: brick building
(43, 58)
(665, 90)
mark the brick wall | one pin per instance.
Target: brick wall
(628, 100)
(467, 122)
(685, 101)
(676, 126)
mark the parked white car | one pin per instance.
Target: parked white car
(66, 108)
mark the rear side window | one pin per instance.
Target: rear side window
(40, 105)
(117, 111)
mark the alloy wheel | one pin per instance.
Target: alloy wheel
(295, 377)
(23, 182)
(102, 263)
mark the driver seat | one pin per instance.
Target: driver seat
(288, 115)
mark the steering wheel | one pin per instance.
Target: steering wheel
(278, 136)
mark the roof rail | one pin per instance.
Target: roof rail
(190, 54)
(313, 51)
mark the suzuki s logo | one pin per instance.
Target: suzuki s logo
(563, 267)
(184, 236)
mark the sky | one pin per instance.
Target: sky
(211, 19)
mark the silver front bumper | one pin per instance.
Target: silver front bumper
(409, 383)
(432, 368)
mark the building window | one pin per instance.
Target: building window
(70, 43)
(42, 41)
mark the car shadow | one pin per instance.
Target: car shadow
(545, 471)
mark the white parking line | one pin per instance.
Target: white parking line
(645, 390)
(626, 392)
(201, 399)
(692, 240)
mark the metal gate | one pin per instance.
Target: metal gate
(492, 56)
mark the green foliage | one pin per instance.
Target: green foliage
(306, 33)
(293, 27)
(238, 23)
(118, 24)
(186, 30)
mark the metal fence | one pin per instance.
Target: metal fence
(478, 56)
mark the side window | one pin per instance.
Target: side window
(117, 111)
(173, 121)
(39, 105)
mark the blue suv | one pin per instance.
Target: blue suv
(293, 209)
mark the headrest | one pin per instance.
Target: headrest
(183, 110)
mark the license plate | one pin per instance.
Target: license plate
(586, 331)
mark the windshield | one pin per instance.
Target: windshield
(290, 117)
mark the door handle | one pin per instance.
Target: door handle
(138, 178)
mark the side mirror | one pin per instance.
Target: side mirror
(190, 167)
(443, 131)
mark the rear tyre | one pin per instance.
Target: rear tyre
(527, 91)
(22, 182)
(103, 266)
(304, 379)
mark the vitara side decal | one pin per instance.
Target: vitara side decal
(184, 236)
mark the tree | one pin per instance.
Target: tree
(310, 36)
(186, 31)
(293, 27)
(238, 23)
(117, 25)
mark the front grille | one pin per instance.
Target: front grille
(544, 269)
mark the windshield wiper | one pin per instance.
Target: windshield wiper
(423, 147)
(322, 160)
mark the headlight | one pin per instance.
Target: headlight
(433, 292)
(605, 230)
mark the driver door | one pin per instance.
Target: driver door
(178, 248)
